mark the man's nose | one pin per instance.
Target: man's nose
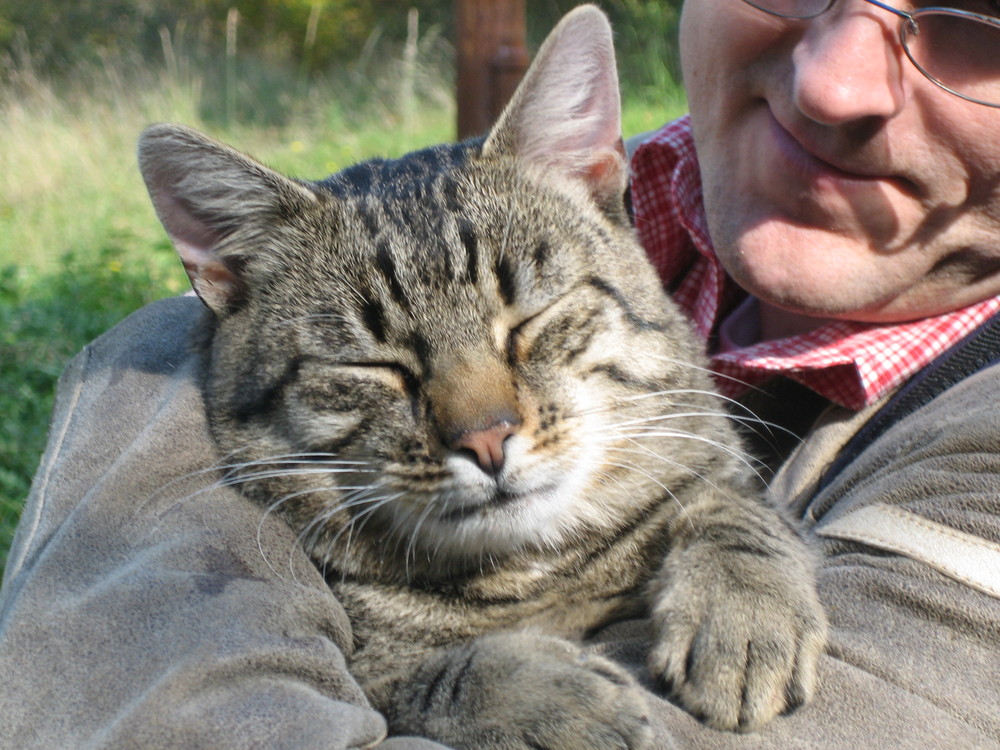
(849, 65)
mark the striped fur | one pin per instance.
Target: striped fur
(458, 378)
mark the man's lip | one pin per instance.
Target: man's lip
(800, 148)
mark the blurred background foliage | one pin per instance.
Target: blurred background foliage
(308, 86)
(304, 37)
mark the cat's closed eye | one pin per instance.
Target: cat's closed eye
(395, 374)
(326, 386)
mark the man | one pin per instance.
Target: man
(850, 194)
(848, 163)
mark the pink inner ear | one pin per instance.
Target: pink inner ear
(214, 283)
(604, 171)
(192, 237)
(566, 115)
(212, 280)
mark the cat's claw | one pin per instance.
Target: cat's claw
(736, 658)
(521, 691)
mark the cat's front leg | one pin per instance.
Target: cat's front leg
(738, 625)
(520, 691)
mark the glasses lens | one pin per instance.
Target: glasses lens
(958, 51)
(791, 8)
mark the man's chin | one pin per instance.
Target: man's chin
(819, 286)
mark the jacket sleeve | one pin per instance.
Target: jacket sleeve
(146, 605)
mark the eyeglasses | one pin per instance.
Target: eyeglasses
(956, 49)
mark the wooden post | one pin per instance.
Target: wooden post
(492, 57)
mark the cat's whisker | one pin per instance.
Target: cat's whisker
(742, 456)
(414, 535)
(738, 408)
(643, 450)
(716, 375)
(610, 477)
(358, 520)
(637, 401)
(226, 468)
(675, 399)
(660, 418)
(163, 489)
(290, 459)
(349, 499)
(237, 479)
(272, 508)
(649, 428)
(667, 491)
(311, 459)
(741, 413)
(357, 495)
(309, 536)
(211, 469)
(375, 503)
(680, 392)
(260, 544)
(343, 502)
(655, 418)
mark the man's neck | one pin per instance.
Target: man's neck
(776, 323)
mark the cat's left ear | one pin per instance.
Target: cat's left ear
(565, 117)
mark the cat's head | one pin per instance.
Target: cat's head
(459, 353)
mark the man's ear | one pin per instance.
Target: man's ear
(565, 117)
(205, 194)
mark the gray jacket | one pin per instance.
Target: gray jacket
(142, 606)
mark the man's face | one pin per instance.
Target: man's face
(839, 182)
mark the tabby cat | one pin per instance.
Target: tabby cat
(458, 377)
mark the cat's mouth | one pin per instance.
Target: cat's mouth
(499, 498)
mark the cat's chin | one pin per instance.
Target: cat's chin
(500, 522)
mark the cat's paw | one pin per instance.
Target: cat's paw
(738, 637)
(521, 691)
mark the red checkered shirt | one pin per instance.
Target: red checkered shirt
(851, 364)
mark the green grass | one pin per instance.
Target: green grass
(80, 246)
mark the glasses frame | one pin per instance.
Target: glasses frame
(909, 25)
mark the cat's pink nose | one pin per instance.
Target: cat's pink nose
(486, 445)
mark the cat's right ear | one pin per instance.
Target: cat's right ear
(206, 195)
